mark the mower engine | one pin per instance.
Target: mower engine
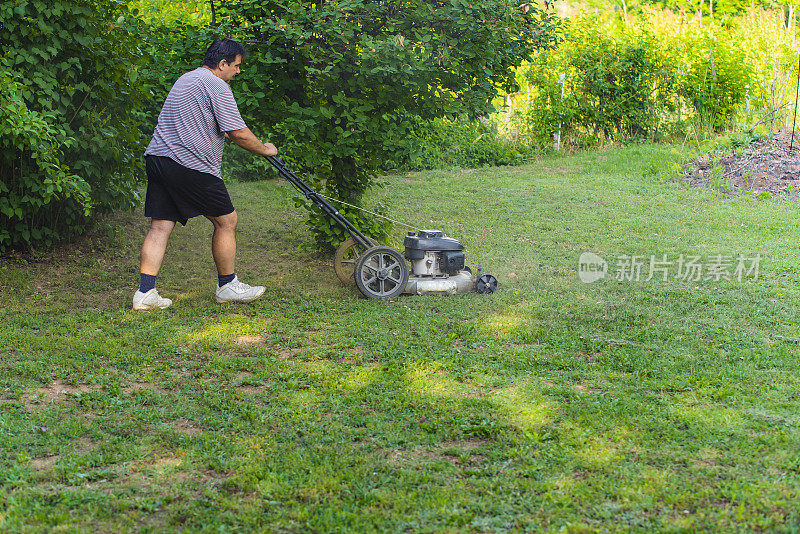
(438, 266)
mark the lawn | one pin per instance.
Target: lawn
(551, 405)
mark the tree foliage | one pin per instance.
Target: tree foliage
(172, 13)
(68, 139)
(338, 83)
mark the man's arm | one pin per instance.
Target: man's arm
(248, 141)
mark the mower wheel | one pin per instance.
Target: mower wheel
(381, 273)
(344, 263)
(486, 284)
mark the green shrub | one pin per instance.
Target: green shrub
(69, 143)
(615, 82)
(442, 143)
(715, 75)
(170, 51)
(32, 174)
(548, 112)
(653, 77)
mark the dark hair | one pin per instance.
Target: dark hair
(220, 49)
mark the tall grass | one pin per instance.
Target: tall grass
(772, 52)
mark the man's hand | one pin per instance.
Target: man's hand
(271, 150)
(248, 141)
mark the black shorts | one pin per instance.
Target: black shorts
(177, 193)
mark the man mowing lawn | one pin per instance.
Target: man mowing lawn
(183, 164)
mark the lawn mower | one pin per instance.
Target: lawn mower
(437, 262)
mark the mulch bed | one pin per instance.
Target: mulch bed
(765, 168)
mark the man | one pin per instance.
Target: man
(183, 172)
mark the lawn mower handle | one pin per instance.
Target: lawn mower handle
(323, 204)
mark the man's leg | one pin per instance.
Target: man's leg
(223, 243)
(153, 248)
(223, 247)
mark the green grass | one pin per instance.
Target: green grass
(551, 405)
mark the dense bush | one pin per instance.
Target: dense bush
(714, 75)
(242, 166)
(69, 144)
(427, 144)
(617, 78)
(771, 54)
(32, 175)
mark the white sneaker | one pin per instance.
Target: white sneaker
(236, 291)
(150, 301)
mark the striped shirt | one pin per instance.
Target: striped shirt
(198, 110)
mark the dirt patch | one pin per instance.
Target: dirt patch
(88, 417)
(45, 463)
(85, 445)
(769, 167)
(5, 395)
(60, 388)
(459, 453)
(285, 354)
(404, 457)
(250, 389)
(154, 471)
(245, 385)
(187, 427)
(584, 389)
(313, 336)
(183, 373)
(58, 391)
(208, 476)
(167, 463)
(250, 340)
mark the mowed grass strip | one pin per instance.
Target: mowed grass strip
(551, 405)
